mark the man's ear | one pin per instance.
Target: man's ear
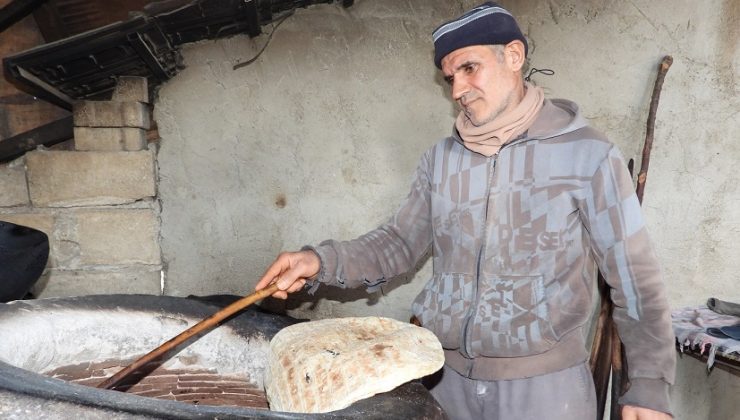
(514, 52)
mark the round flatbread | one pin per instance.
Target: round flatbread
(326, 365)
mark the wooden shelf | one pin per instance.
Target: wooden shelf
(726, 362)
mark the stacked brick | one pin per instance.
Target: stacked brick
(196, 386)
(116, 125)
(97, 203)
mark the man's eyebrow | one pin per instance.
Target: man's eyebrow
(449, 78)
(465, 64)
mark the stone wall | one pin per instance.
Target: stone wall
(97, 203)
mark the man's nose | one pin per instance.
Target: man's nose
(459, 89)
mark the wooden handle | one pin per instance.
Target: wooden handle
(203, 325)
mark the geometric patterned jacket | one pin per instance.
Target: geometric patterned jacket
(516, 240)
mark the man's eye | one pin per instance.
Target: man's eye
(449, 79)
(469, 69)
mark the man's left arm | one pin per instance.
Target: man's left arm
(629, 264)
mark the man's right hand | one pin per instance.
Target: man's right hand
(290, 270)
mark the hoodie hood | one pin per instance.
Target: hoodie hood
(557, 117)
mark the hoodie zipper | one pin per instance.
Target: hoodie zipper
(468, 320)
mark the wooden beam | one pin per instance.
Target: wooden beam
(17, 10)
(47, 135)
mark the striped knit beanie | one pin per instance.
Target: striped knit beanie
(487, 24)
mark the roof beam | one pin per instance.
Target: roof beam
(17, 10)
(46, 135)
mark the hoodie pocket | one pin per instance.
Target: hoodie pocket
(512, 318)
(443, 304)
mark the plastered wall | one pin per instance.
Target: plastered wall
(318, 138)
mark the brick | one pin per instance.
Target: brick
(68, 179)
(156, 393)
(13, 187)
(131, 89)
(118, 237)
(105, 364)
(162, 380)
(193, 396)
(110, 139)
(198, 377)
(215, 381)
(232, 390)
(111, 114)
(186, 391)
(139, 387)
(75, 371)
(91, 382)
(64, 283)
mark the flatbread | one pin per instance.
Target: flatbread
(326, 365)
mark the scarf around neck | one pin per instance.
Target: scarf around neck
(488, 138)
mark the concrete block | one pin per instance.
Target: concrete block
(109, 139)
(69, 179)
(118, 237)
(111, 114)
(63, 283)
(131, 89)
(13, 187)
(40, 221)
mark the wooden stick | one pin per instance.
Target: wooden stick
(600, 361)
(665, 64)
(620, 378)
(607, 350)
(202, 326)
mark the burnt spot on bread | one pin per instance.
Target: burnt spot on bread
(336, 379)
(308, 378)
(378, 349)
(363, 335)
(332, 352)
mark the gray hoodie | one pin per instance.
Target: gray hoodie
(516, 240)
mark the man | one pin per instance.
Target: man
(520, 205)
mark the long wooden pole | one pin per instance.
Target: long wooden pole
(607, 350)
(202, 326)
(665, 64)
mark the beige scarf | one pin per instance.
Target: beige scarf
(489, 137)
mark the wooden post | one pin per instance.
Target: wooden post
(607, 351)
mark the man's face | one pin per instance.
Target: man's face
(483, 82)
